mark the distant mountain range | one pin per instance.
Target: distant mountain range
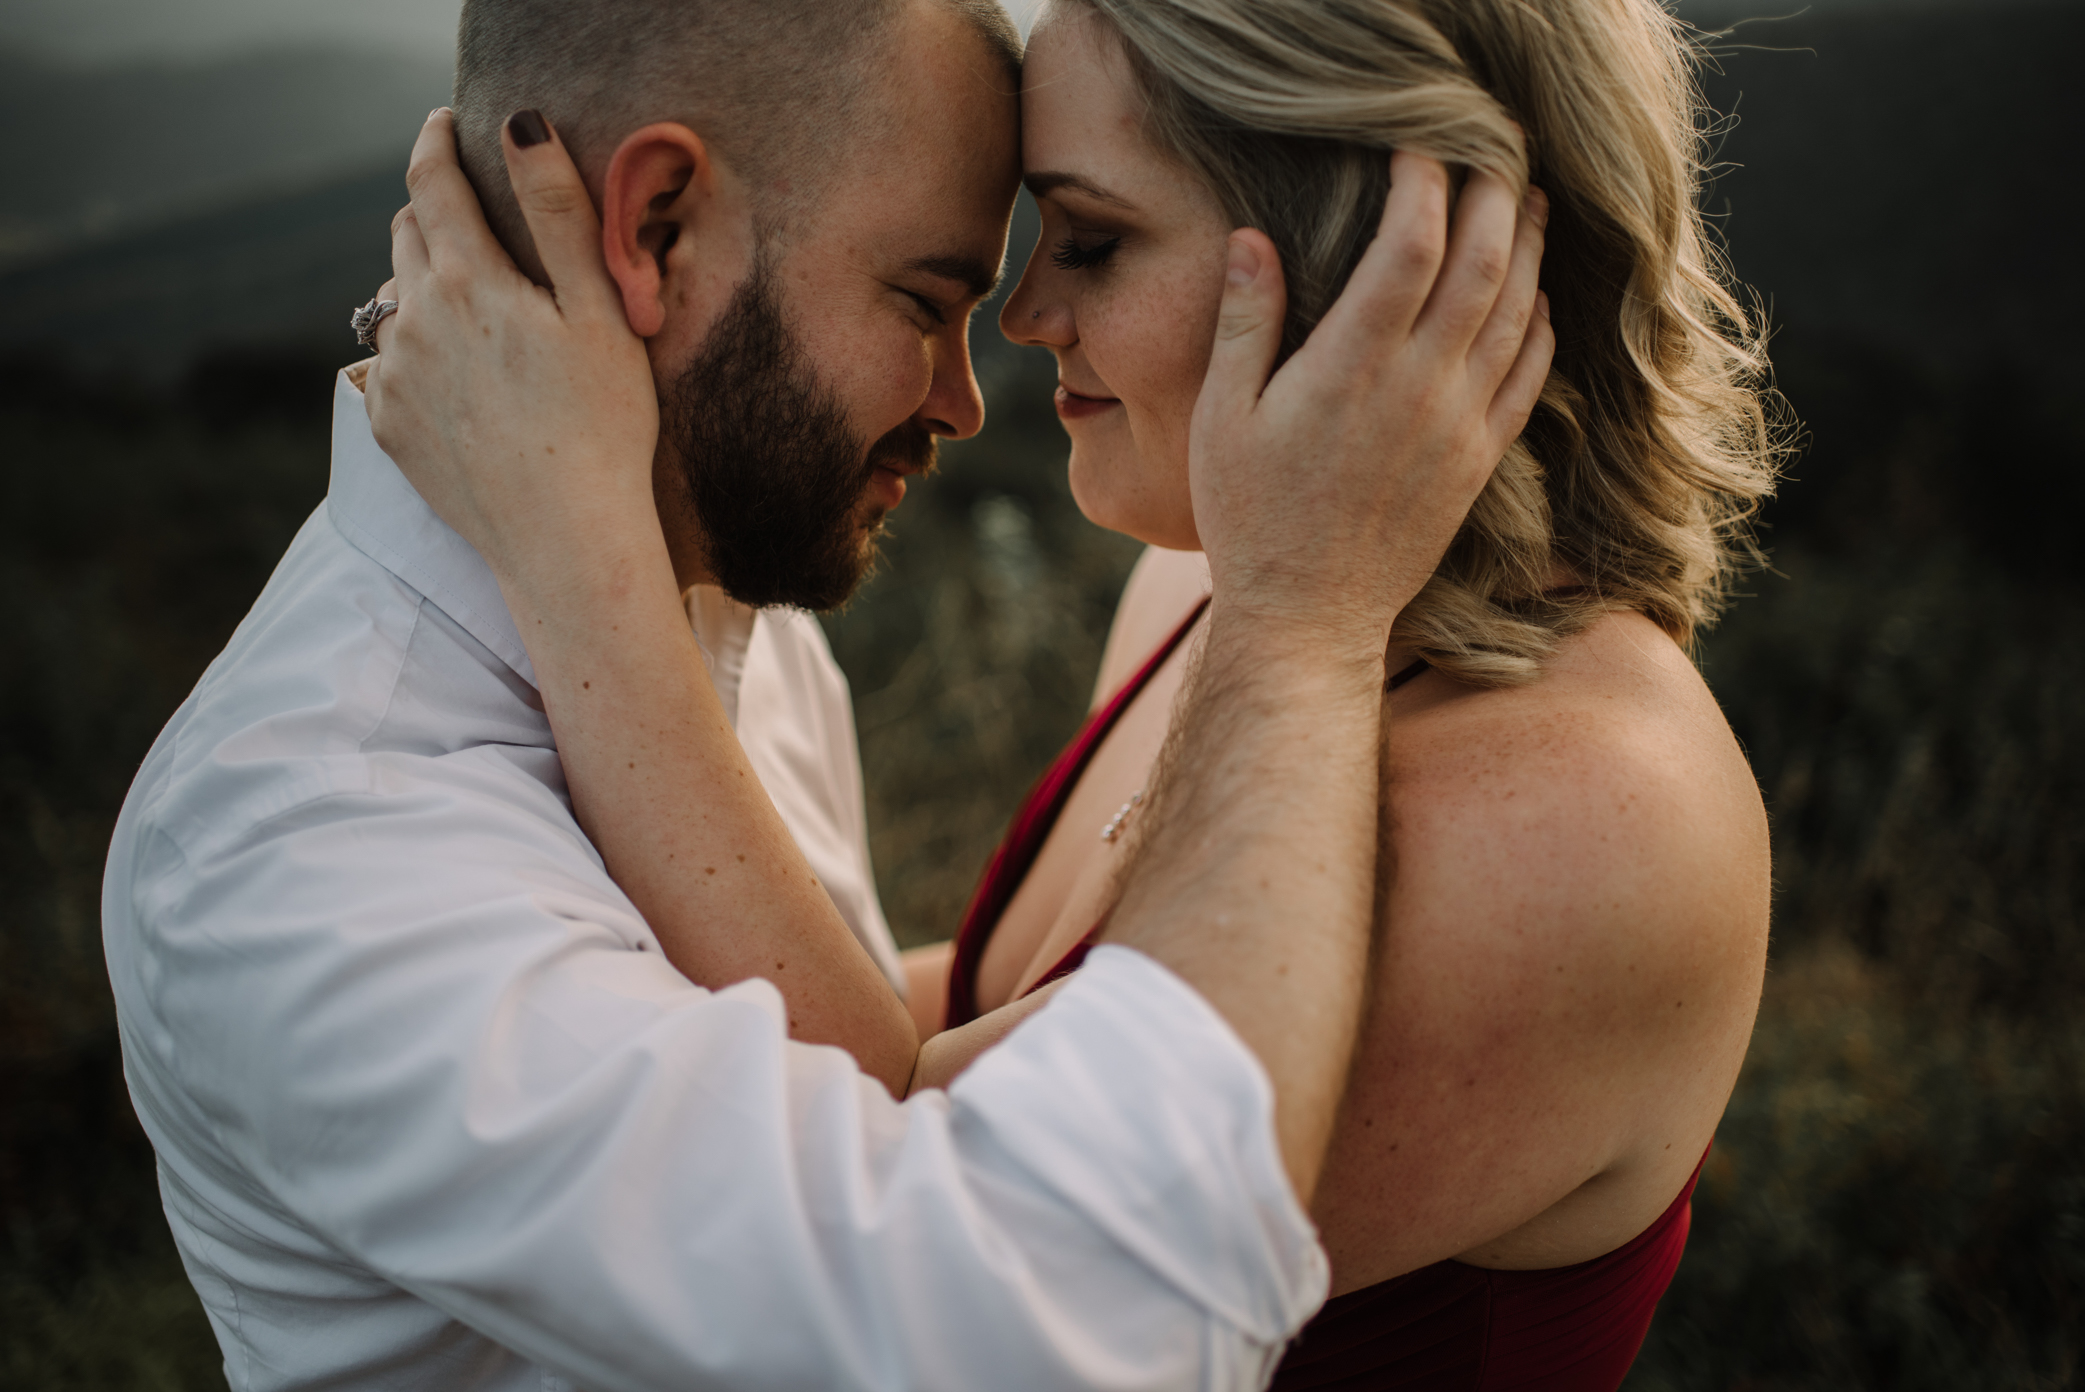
(115, 31)
(1902, 179)
(88, 152)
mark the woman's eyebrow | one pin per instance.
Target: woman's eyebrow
(1046, 181)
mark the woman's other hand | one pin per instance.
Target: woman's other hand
(1327, 495)
(525, 415)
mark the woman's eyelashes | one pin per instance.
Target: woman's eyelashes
(1070, 255)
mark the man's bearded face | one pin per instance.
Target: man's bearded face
(777, 477)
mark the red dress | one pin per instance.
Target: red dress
(1449, 1327)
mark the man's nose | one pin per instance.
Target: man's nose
(955, 405)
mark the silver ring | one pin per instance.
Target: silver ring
(364, 320)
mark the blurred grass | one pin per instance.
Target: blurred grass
(133, 535)
(973, 654)
(1896, 1199)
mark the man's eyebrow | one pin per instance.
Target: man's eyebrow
(967, 271)
(1044, 182)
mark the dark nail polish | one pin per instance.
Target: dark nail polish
(527, 128)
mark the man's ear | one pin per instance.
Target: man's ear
(657, 181)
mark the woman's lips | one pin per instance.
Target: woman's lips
(1072, 406)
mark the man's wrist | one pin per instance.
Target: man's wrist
(1335, 647)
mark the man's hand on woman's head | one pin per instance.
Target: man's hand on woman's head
(1327, 495)
(523, 415)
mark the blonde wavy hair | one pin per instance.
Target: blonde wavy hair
(1655, 438)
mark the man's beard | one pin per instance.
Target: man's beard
(777, 477)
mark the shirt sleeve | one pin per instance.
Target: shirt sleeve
(426, 1024)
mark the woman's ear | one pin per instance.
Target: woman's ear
(656, 183)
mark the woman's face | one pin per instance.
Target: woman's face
(1124, 286)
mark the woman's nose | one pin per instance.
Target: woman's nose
(1033, 318)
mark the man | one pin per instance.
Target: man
(430, 1109)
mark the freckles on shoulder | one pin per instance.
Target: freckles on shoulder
(1576, 834)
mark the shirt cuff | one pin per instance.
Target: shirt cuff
(1132, 1099)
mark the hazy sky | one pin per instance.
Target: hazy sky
(115, 30)
(105, 30)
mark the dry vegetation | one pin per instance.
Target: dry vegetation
(1896, 1199)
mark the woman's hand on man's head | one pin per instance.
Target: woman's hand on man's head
(540, 450)
(1326, 495)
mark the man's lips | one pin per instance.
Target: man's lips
(1077, 405)
(887, 484)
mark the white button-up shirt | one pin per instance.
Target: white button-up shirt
(433, 1112)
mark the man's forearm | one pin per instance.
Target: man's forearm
(1254, 870)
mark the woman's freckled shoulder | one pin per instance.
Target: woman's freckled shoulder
(1615, 771)
(1570, 870)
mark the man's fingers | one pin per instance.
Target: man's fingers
(1497, 345)
(1480, 255)
(1248, 332)
(1390, 284)
(1517, 395)
(444, 203)
(559, 211)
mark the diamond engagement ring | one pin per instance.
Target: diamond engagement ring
(364, 320)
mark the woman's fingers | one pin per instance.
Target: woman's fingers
(388, 291)
(409, 268)
(1248, 333)
(409, 255)
(1497, 344)
(444, 204)
(560, 213)
(1480, 256)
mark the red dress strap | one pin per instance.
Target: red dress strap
(1031, 826)
(1076, 958)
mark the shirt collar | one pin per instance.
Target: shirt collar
(386, 520)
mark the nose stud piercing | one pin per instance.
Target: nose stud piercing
(1037, 314)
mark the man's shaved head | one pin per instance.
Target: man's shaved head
(776, 87)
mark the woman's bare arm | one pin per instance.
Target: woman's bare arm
(926, 985)
(555, 492)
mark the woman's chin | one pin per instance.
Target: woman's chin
(1138, 513)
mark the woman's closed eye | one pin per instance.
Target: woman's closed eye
(1071, 255)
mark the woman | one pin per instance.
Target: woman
(1574, 873)
(1575, 884)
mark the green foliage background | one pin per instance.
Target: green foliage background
(1896, 1199)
